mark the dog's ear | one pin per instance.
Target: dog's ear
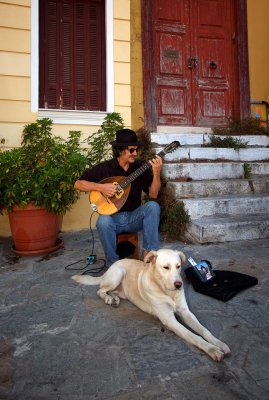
(182, 257)
(150, 257)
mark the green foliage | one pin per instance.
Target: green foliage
(99, 142)
(147, 152)
(43, 170)
(247, 170)
(176, 220)
(246, 126)
(174, 216)
(227, 142)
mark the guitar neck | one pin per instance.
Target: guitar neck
(129, 179)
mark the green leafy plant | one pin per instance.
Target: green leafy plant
(147, 151)
(99, 142)
(246, 126)
(227, 142)
(247, 170)
(174, 216)
(43, 170)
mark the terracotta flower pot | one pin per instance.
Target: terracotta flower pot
(34, 230)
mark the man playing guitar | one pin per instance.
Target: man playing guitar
(120, 208)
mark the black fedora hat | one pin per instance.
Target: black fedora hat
(126, 137)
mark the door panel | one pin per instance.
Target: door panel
(171, 38)
(192, 61)
(213, 80)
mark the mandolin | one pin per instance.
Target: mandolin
(110, 205)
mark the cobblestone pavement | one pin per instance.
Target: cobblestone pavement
(59, 341)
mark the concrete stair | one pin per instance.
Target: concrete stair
(223, 206)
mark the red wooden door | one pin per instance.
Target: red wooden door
(193, 61)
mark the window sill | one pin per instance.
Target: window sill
(73, 117)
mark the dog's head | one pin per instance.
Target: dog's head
(166, 267)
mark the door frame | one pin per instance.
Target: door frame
(148, 65)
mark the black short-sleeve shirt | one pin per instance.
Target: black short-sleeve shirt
(111, 168)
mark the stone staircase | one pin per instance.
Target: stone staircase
(223, 206)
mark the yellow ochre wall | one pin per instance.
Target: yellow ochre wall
(258, 43)
(136, 66)
(15, 86)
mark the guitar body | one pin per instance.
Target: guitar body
(109, 205)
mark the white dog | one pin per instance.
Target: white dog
(155, 286)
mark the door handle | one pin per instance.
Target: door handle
(192, 62)
(213, 65)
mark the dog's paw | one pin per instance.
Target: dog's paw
(215, 353)
(113, 301)
(225, 349)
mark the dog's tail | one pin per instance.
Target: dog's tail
(87, 280)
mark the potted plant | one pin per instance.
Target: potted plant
(36, 185)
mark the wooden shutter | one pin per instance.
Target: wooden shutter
(72, 54)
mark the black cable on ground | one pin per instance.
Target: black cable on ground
(91, 260)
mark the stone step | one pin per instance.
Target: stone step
(223, 206)
(214, 154)
(190, 130)
(207, 170)
(202, 137)
(219, 187)
(214, 229)
(227, 205)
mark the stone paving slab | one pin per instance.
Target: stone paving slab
(59, 341)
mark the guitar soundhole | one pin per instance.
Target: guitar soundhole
(119, 192)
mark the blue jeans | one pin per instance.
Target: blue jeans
(144, 218)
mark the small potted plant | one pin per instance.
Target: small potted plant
(37, 185)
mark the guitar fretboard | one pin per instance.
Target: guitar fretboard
(129, 179)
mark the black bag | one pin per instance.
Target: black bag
(223, 286)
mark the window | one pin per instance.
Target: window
(72, 55)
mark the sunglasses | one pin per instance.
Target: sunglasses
(133, 149)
